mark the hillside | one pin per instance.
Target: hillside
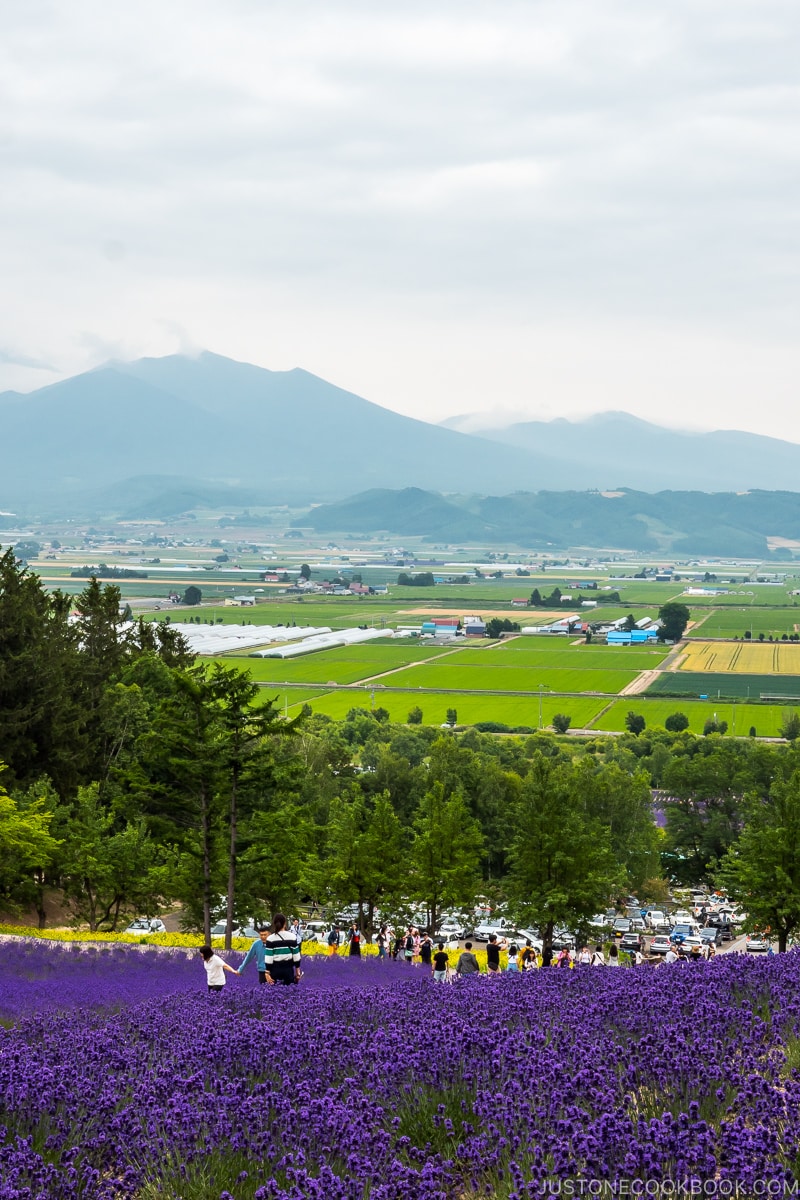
(681, 523)
(617, 449)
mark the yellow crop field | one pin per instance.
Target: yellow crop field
(743, 658)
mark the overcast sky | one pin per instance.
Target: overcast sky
(535, 208)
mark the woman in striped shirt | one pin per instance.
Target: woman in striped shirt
(282, 953)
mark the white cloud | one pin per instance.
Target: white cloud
(553, 206)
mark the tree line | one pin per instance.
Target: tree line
(136, 776)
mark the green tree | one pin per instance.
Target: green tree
(676, 722)
(674, 618)
(452, 717)
(446, 853)
(762, 869)
(305, 571)
(192, 595)
(415, 715)
(561, 722)
(27, 846)
(635, 723)
(562, 866)
(107, 871)
(790, 727)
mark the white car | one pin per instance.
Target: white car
(498, 925)
(142, 926)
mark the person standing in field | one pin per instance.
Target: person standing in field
(281, 953)
(467, 962)
(425, 950)
(382, 940)
(441, 963)
(215, 969)
(333, 940)
(493, 954)
(354, 940)
(257, 951)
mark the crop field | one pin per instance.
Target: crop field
(443, 676)
(735, 622)
(557, 652)
(510, 710)
(746, 687)
(340, 665)
(743, 658)
(765, 718)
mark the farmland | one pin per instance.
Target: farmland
(508, 710)
(735, 622)
(766, 719)
(690, 683)
(742, 658)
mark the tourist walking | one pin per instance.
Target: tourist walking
(441, 963)
(281, 953)
(467, 962)
(257, 953)
(215, 969)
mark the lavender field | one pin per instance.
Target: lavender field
(120, 1076)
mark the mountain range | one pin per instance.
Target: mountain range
(717, 524)
(158, 436)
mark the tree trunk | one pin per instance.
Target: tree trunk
(783, 939)
(231, 861)
(205, 834)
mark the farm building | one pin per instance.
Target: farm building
(624, 637)
(320, 641)
(439, 629)
(474, 627)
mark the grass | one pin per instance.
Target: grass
(690, 683)
(735, 622)
(765, 718)
(508, 710)
(445, 677)
(340, 665)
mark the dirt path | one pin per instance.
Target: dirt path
(640, 684)
(419, 663)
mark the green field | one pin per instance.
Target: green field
(748, 687)
(510, 710)
(532, 652)
(339, 665)
(517, 679)
(735, 622)
(765, 718)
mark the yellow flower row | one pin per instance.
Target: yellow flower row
(194, 941)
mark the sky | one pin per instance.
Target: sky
(523, 209)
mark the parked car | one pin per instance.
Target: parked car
(144, 925)
(498, 925)
(218, 930)
(757, 943)
(693, 942)
(563, 940)
(711, 935)
(660, 944)
(315, 931)
(631, 942)
(621, 925)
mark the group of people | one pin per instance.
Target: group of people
(276, 953)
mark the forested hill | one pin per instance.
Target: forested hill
(726, 524)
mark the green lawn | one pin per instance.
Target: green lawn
(510, 710)
(765, 718)
(339, 665)
(557, 652)
(445, 677)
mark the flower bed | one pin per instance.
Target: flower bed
(370, 1080)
